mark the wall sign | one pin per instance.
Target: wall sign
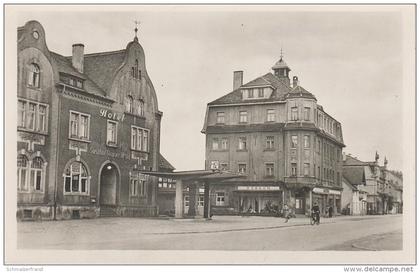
(111, 115)
(258, 188)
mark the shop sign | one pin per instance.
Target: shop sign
(258, 188)
(325, 191)
(111, 115)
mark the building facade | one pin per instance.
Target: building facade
(383, 187)
(87, 125)
(281, 138)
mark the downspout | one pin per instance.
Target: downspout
(57, 153)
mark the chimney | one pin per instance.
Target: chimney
(295, 81)
(78, 57)
(238, 77)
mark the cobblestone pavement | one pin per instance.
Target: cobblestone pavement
(236, 233)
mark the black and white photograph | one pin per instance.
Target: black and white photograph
(210, 134)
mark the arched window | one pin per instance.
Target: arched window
(33, 75)
(129, 104)
(37, 174)
(141, 108)
(22, 173)
(76, 179)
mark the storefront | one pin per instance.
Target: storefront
(327, 198)
(258, 199)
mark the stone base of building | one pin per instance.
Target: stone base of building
(131, 211)
(34, 212)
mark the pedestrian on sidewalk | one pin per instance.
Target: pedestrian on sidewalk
(330, 212)
(287, 213)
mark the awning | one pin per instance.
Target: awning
(326, 191)
(258, 188)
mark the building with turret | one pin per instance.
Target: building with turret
(274, 131)
(87, 125)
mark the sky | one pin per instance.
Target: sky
(351, 61)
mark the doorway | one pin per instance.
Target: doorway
(108, 181)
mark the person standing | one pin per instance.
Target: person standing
(330, 212)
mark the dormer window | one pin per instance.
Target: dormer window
(33, 75)
(135, 71)
(250, 93)
(294, 113)
(260, 92)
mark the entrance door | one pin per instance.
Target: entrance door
(109, 179)
(300, 205)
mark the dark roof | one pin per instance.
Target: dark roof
(164, 164)
(101, 67)
(300, 92)
(354, 174)
(64, 65)
(350, 160)
(280, 90)
(280, 64)
(354, 187)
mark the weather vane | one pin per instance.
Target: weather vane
(137, 24)
(281, 53)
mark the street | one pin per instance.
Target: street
(363, 233)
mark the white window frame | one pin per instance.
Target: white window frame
(35, 171)
(269, 142)
(306, 141)
(242, 144)
(306, 169)
(142, 135)
(220, 117)
(220, 198)
(269, 166)
(240, 169)
(306, 113)
(294, 113)
(23, 114)
(78, 134)
(34, 75)
(293, 168)
(79, 192)
(243, 116)
(109, 141)
(294, 145)
(224, 144)
(271, 115)
(134, 185)
(215, 144)
(25, 187)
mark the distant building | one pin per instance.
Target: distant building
(281, 138)
(87, 125)
(383, 186)
(353, 197)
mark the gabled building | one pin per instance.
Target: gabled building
(281, 138)
(87, 125)
(354, 198)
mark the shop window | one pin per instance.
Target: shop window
(111, 137)
(271, 115)
(139, 139)
(22, 173)
(34, 75)
(76, 179)
(79, 125)
(220, 117)
(220, 199)
(224, 166)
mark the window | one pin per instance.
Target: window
(243, 116)
(140, 110)
(294, 169)
(271, 116)
(134, 187)
(306, 169)
(261, 92)
(111, 137)
(242, 143)
(33, 75)
(220, 117)
(22, 171)
(215, 144)
(79, 84)
(79, 125)
(21, 113)
(186, 200)
(269, 143)
(36, 176)
(31, 116)
(129, 104)
(139, 139)
(294, 142)
(269, 169)
(250, 93)
(306, 142)
(294, 113)
(42, 115)
(224, 166)
(220, 199)
(224, 144)
(201, 200)
(242, 168)
(76, 179)
(306, 113)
